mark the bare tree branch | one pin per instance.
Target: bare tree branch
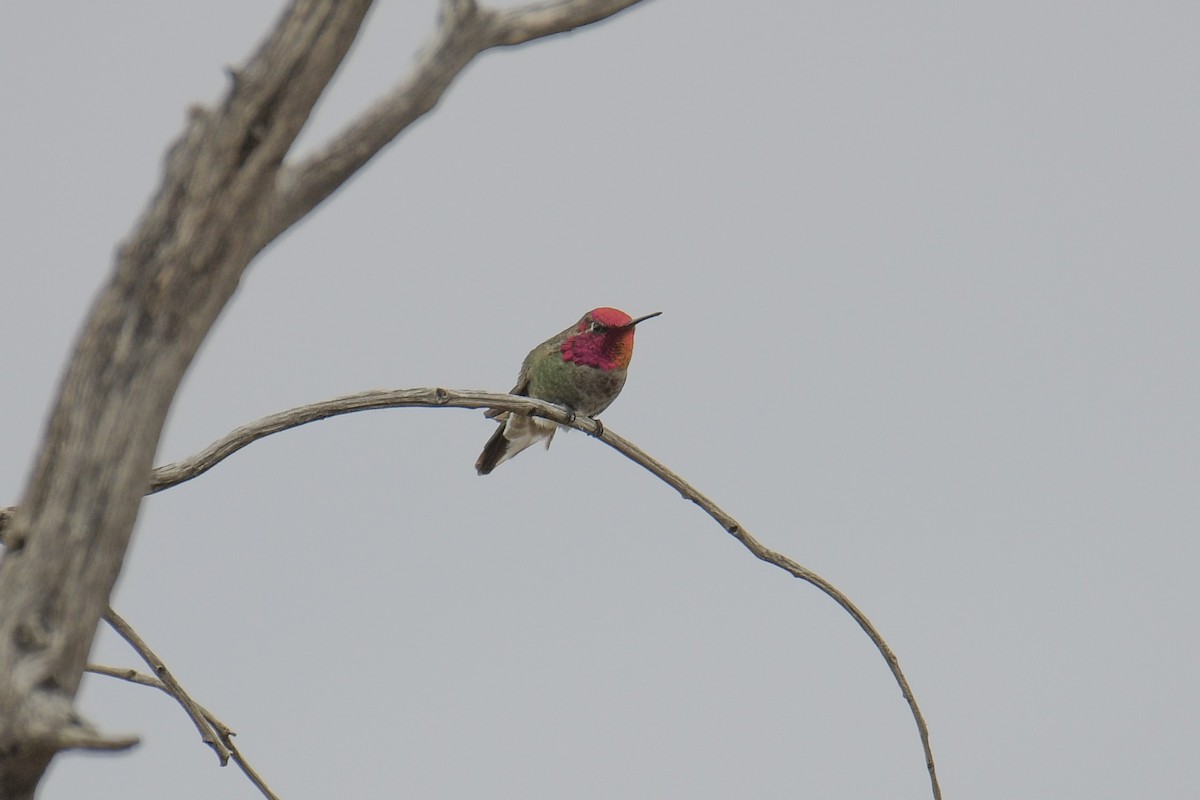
(178, 472)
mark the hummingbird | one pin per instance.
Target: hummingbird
(582, 368)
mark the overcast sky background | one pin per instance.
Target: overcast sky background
(929, 280)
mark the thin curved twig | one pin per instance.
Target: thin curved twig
(735, 529)
(222, 730)
(178, 472)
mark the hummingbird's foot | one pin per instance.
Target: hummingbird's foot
(570, 415)
(599, 434)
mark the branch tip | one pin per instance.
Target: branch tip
(82, 736)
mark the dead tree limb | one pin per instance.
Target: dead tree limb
(226, 193)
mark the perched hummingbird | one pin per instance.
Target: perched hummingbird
(582, 368)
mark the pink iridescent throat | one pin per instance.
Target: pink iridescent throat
(609, 350)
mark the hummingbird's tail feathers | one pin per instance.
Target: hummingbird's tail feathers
(493, 452)
(517, 432)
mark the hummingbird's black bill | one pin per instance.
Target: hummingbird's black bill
(640, 319)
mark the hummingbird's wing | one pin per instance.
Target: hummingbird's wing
(522, 388)
(541, 352)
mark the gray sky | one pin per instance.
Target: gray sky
(929, 282)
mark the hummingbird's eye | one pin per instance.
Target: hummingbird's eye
(596, 327)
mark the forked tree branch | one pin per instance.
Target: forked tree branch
(225, 195)
(464, 31)
(178, 472)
